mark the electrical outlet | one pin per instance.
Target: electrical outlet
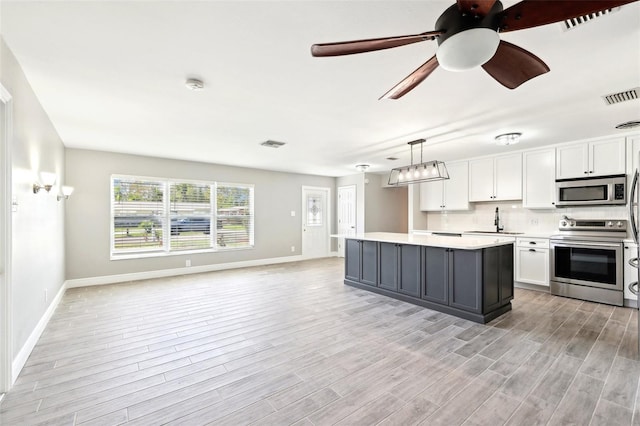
(187, 262)
(534, 222)
(293, 249)
(293, 213)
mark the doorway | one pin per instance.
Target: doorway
(5, 240)
(346, 214)
(316, 221)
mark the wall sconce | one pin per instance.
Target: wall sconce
(66, 191)
(47, 181)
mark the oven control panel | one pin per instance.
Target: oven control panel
(567, 223)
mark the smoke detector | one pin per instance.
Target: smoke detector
(194, 84)
(362, 167)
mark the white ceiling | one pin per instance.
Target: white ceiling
(111, 77)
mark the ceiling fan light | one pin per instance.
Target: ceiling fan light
(468, 49)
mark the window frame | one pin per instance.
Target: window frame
(166, 250)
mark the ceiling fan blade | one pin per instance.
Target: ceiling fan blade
(369, 45)
(512, 65)
(533, 13)
(476, 7)
(412, 80)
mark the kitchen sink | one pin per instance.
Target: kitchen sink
(494, 233)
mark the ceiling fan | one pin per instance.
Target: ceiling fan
(468, 36)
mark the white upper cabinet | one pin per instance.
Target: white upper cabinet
(588, 159)
(539, 179)
(633, 151)
(449, 194)
(495, 179)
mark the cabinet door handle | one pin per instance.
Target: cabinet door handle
(631, 288)
(532, 242)
(532, 250)
(634, 262)
(586, 172)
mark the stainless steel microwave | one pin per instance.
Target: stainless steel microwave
(591, 191)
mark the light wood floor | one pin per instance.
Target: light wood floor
(290, 344)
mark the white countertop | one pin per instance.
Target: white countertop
(463, 243)
(491, 234)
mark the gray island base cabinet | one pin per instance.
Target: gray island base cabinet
(474, 284)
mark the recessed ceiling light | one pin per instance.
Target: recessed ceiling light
(392, 158)
(194, 84)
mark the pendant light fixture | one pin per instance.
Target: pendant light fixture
(421, 172)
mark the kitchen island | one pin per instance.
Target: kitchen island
(468, 277)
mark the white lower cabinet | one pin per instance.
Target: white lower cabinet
(630, 273)
(532, 261)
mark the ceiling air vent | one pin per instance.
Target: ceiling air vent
(570, 24)
(627, 95)
(272, 144)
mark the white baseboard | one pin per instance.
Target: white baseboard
(135, 276)
(21, 359)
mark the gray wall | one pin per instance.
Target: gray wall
(386, 208)
(378, 209)
(38, 224)
(88, 211)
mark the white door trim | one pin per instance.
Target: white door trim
(6, 350)
(329, 214)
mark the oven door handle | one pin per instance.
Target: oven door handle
(590, 244)
(631, 288)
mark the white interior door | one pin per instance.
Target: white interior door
(5, 241)
(316, 221)
(346, 214)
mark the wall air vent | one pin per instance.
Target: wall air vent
(570, 24)
(627, 95)
(272, 144)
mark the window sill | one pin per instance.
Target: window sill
(146, 255)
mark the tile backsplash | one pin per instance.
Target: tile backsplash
(515, 218)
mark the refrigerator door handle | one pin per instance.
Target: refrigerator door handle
(632, 211)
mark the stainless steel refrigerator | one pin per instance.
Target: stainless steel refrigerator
(634, 213)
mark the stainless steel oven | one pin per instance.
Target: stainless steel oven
(587, 260)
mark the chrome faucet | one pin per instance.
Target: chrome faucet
(496, 222)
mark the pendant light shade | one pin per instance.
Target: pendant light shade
(421, 172)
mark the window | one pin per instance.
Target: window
(138, 215)
(234, 212)
(190, 216)
(165, 216)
